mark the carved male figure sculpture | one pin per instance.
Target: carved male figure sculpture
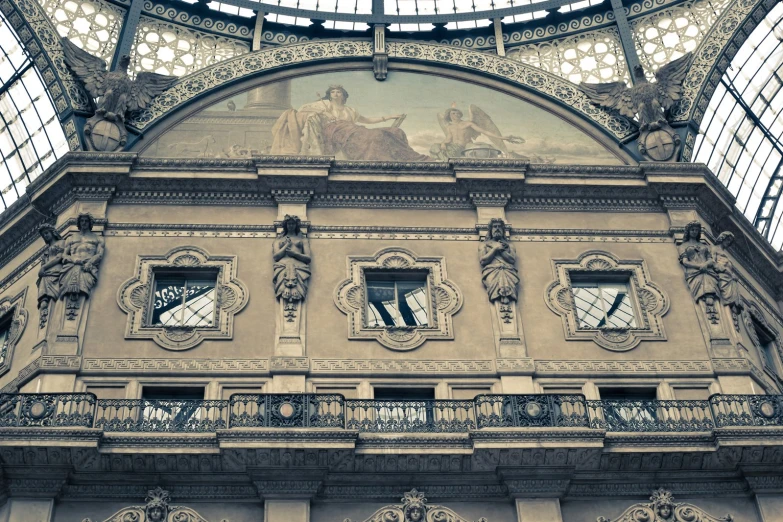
(700, 272)
(291, 254)
(49, 273)
(498, 264)
(83, 252)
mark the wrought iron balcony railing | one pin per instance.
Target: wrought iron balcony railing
(161, 415)
(496, 411)
(294, 410)
(47, 409)
(747, 410)
(388, 416)
(650, 415)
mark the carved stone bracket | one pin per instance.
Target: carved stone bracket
(663, 508)
(12, 310)
(446, 299)
(414, 508)
(135, 297)
(649, 301)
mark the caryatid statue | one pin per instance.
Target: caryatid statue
(498, 264)
(49, 273)
(291, 254)
(700, 269)
(82, 255)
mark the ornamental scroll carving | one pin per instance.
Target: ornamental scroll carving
(648, 300)
(662, 508)
(414, 508)
(157, 509)
(445, 298)
(135, 297)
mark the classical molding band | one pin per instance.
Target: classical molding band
(136, 366)
(402, 367)
(212, 78)
(637, 368)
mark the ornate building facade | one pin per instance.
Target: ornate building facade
(360, 263)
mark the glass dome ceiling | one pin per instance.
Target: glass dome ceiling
(584, 40)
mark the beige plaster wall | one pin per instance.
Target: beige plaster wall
(234, 511)
(521, 219)
(192, 214)
(389, 217)
(499, 511)
(740, 508)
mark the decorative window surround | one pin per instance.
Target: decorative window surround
(649, 301)
(135, 295)
(13, 307)
(754, 316)
(446, 298)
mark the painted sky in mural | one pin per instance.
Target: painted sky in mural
(408, 117)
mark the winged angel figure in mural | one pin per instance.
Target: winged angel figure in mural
(649, 102)
(461, 134)
(116, 92)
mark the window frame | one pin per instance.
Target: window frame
(13, 314)
(166, 272)
(648, 300)
(599, 279)
(444, 298)
(395, 277)
(135, 297)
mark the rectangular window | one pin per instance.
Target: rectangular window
(184, 299)
(603, 304)
(169, 405)
(405, 404)
(629, 405)
(397, 299)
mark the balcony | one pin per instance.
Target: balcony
(285, 411)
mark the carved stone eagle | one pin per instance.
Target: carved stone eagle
(647, 101)
(116, 94)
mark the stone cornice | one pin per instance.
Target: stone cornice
(130, 179)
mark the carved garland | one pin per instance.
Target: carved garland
(135, 296)
(446, 299)
(12, 308)
(649, 301)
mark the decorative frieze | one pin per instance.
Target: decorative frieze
(397, 366)
(136, 366)
(638, 368)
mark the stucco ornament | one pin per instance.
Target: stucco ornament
(648, 105)
(156, 509)
(662, 508)
(414, 508)
(700, 270)
(135, 297)
(445, 299)
(49, 274)
(117, 95)
(83, 252)
(498, 260)
(647, 299)
(12, 309)
(291, 254)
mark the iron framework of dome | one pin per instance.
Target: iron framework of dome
(729, 117)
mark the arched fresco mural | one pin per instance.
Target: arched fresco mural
(409, 117)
